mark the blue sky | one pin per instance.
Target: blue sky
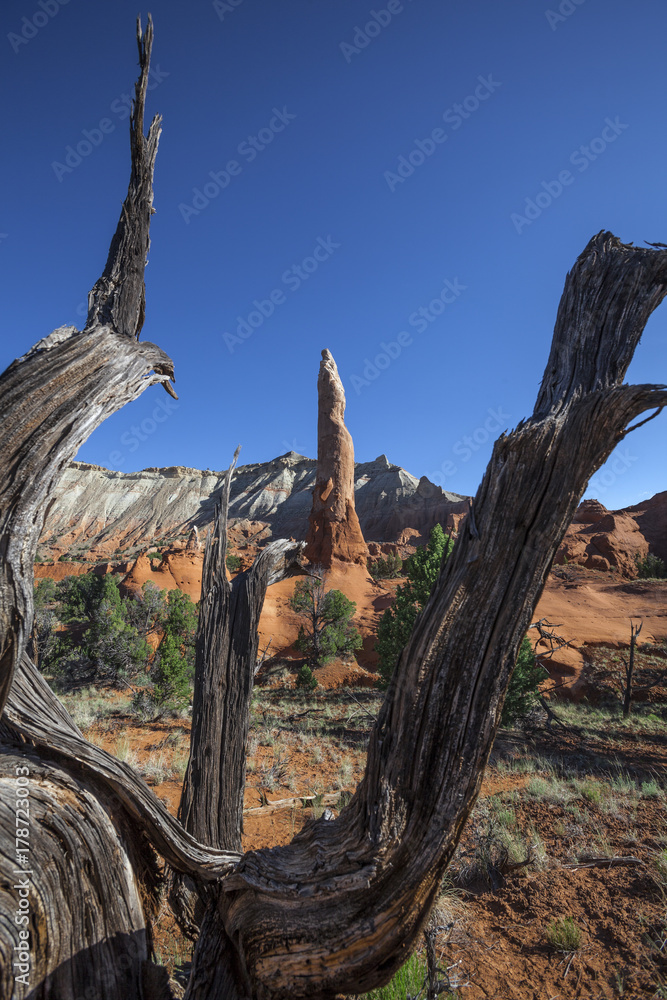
(334, 173)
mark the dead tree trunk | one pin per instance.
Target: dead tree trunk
(340, 908)
(53, 397)
(83, 870)
(211, 806)
(630, 668)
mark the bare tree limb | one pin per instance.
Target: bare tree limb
(340, 908)
(211, 806)
(53, 397)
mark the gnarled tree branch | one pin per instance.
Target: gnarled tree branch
(340, 908)
(53, 397)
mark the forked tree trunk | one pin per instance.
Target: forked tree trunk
(341, 907)
(630, 669)
(211, 806)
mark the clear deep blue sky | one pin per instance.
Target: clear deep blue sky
(532, 89)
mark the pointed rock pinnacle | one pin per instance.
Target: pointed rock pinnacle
(334, 531)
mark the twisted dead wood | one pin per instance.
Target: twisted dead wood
(211, 807)
(53, 397)
(340, 908)
(90, 869)
(33, 712)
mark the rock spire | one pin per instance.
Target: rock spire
(334, 532)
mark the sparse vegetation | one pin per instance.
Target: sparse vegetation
(327, 630)
(522, 693)
(234, 563)
(407, 983)
(422, 570)
(651, 568)
(306, 678)
(385, 569)
(562, 934)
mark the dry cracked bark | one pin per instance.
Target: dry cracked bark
(91, 864)
(340, 908)
(211, 807)
(53, 397)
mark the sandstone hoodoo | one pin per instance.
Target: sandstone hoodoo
(334, 531)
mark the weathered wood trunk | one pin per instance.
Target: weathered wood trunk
(211, 806)
(340, 908)
(86, 855)
(87, 881)
(53, 397)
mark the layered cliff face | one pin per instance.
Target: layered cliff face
(333, 525)
(100, 511)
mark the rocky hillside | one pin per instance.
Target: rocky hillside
(100, 512)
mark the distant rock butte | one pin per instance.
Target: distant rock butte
(103, 511)
(602, 540)
(333, 526)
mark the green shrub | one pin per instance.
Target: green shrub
(396, 624)
(651, 789)
(171, 675)
(105, 634)
(650, 568)
(234, 563)
(45, 592)
(385, 569)
(522, 693)
(306, 678)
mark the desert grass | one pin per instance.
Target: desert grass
(562, 934)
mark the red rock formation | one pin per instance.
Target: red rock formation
(334, 531)
(602, 540)
(651, 516)
(193, 541)
(179, 569)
